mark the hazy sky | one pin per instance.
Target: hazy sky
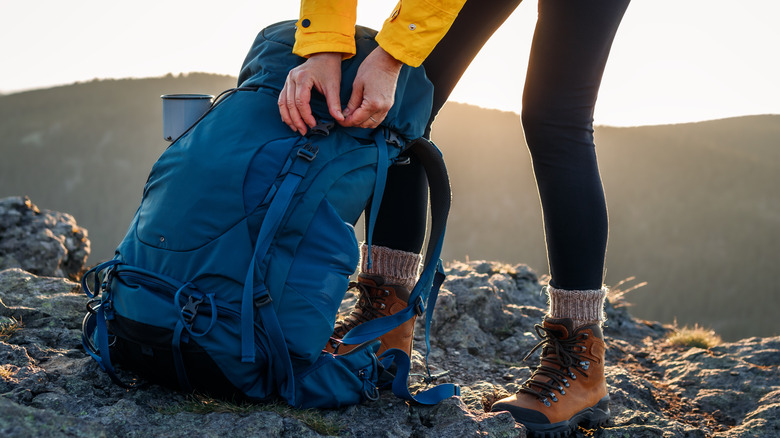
(673, 60)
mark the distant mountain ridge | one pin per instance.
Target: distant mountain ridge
(694, 207)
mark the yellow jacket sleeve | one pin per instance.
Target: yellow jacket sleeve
(326, 26)
(409, 34)
(415, 27)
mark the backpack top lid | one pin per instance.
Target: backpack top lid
(270, 59)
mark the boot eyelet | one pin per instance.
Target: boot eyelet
(546, 403)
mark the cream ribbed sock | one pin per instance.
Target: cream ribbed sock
(584, 307)
(394, 266)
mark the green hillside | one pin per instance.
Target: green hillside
(693, 207)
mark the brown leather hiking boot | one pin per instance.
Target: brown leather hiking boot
(376, 300)
(568, 387)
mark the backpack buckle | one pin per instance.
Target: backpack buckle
(394, 139)
(322, 128)
(308, 151)
(190, 310)
(402, 161)
(419, 306)
(263, 300)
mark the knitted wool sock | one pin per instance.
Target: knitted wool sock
(583, 307)
(396, 267)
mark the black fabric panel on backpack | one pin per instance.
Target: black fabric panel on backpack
(154, 361)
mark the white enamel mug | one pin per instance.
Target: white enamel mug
(181, 111)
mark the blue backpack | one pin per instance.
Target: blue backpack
(234, 267)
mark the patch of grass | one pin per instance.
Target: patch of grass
(5, 372)
(200, 404)
(699, 337)
(9, 326)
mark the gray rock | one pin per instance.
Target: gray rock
(42, 242)
(482, 329)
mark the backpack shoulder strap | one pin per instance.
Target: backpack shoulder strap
(432, 275)
(423, 297)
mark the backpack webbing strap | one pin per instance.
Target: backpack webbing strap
(178, 359)
(423, 296)
(400, 386)
(96, 323)
(382, 163)
(433, 274)
(259, 297)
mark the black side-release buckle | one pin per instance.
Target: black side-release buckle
(190, 310)
(322, 128)
(394, 139)
(308, 151)
(419, 307)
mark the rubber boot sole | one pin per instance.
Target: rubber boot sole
(591, 418)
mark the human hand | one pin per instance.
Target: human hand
(373, 91)
(321, 71)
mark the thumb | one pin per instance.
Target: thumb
(355, 99)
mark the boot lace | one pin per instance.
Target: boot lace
(370, 306)
(559, 358)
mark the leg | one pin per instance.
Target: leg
(403, 213)
(568, 55)
(570, 49)
(399, 231)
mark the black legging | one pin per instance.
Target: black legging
(570, 47)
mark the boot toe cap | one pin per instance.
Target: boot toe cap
(521, 415)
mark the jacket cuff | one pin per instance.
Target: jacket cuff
(411, 33)
(316, 33)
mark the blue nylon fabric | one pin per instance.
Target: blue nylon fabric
(339, 380)
(318, 279)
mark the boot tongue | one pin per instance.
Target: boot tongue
(562, 328)
(371, 280)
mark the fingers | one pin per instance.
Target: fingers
(364, 110)
(373, 91)
(301, 103)
(331, 92)
(291, 98)
(321, 71)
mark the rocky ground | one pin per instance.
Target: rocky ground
(484, 325)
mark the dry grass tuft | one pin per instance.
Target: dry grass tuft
(699, 337)
(9, 326)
